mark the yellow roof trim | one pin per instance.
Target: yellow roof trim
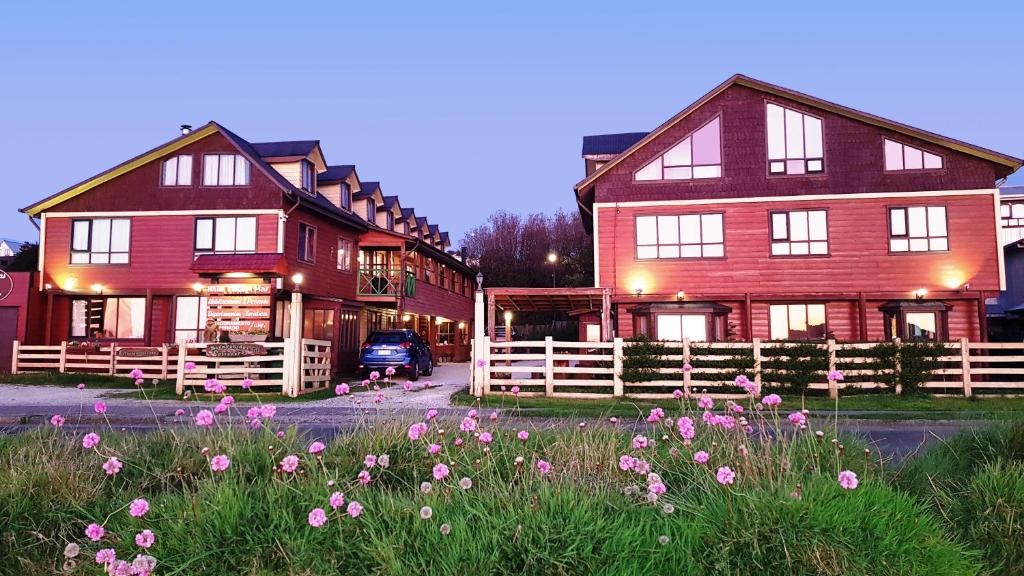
(119, 170)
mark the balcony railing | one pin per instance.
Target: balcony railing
(385, 282)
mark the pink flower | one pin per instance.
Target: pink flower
(57, 420)
(434, 448)
(317, 517)
(354, 509)
(190, 366)
(341, 389)
(366, 383)
(431, 414)
(253, 412)
(143, 565)
(363, 477)
(136, 374)
(472, 413)
(772, 400)
(486, 438)
(428, 384)
(246, 383)
(228, 400)
(204, 419)
(417, 430)
(317, 447)
(370, 461)
(179, 412)
(543, 467)
(468, 424)
(390, 371)
(705, 403)
(100, 407)
(750, 387)
(737, 408)
(656, 415)
(220, 408)
(337, 500)
(687, 367)
(90, 440)
(268, 411)
(290, 463)
(81, 386)
(407, 386)
(255, 424)
(677, 393)
(523, 435)
(686, 428)
(219, 463)
(797, 419)
(514, 390)
(106, 556)
(835, 375)
(725, 476)
(640, 442)
(458, 441)
(112, 466)
(626, 462)
(374, 376)
(481, 363)
(95, 532)
(701, 457)
(440, 472)
(656, 488)
(641, 466)
(848, 480)
(138, 507)
(145, 539)
(493, 416)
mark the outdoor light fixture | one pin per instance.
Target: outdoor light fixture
(552, 257)
(70, 283)
(638, 290)
(920, 293)
(198, 287)
(297, 278)
(97, 288)
(508, 316)
(680, 296)
(49, 286)
(406, 317)
(479, 281)
(462, 325)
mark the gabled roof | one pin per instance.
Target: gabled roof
(285, 148)
(366, 189)
(407, 213)
(335, 173)
(444, 238)
(602, 144)
(389, 203)
(435, 230)
(14, 245)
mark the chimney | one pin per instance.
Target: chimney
(185, 129)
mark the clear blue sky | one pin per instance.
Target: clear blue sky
(465, 108)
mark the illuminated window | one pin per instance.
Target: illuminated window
(100, 241)
(225, 235)
(697, 156)
(794, 142)
(899, 157)
(178, 171)
(108, 318)
(797, 321)
(918, 229)
(685, 236)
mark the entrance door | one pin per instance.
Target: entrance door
(679, 326)
(8, 333)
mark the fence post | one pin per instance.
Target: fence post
(965, 365)
(833, 387)
(617, 354)
(898, 368)
(549, 366)
(179, 385)
(756, 349)
(113, 359)
(14, 357)
(62, 362)
(487, 366)
(164, 352)
(686, 373)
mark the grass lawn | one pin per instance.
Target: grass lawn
(70, 380)
(879, 406)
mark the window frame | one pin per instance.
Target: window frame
(234, 184)
(772, 240)
(202, 308)
(786, 158)
(692, 165)
(177, 171)
(303, 244)
(104, 304)
(904, 170)
(346, 196)
(307, 177)
(89, 237)
(789, 331)
(906, 224)
(371, 211)
(196, 251)
(637, 245)
(347, 267)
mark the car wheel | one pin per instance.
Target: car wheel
(430, 368)
(414, 372)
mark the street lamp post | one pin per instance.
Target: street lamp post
(552, 260)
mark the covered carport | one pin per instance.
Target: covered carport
(573, 301)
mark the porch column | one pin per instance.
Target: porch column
(490, 316)
(478, 343)
(606, 315)
(293, 351)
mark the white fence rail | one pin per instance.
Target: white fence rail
(595, 369)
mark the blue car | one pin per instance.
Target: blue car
(402, 350)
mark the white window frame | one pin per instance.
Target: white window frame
(692, 236)
(177, 171)
(225, 170)
(792, 155)
(911, 158)
(677, 163)
(99, 248)
(218, 227)
(344, 254)
(795, 310)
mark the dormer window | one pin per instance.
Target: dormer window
(794, 142)
(178, 171)
(346, 196)
(371, 212)
(390, 220)
(900, 157)
(405, 228)
(697, 156)
(308, 177)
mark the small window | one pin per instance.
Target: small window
(794, 142)
(346, 196)
(797, 321)
(178, 171)
(225, 170)
(676, 327)
(190, 318)
(901, 157)
(697, 156)
(108, 318)
(307, 243)
(100, 241)
(918, 229)
(371, 212)
(799, 233)
(390, 220)
(922, 326)
(308, 177)
(344, 254)
(685, 236)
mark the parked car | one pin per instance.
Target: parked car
(402, 350)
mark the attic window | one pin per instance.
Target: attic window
(308, 177)
(346, 196)
(697, 156)
(899, 157)
(390, 219)
(794, 142)
(225, 170)
(178, 171)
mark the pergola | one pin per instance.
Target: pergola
(571, 300)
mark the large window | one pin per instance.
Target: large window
(794, 142)
(307, 243)
(799, 233)
(108, 318)
(899, 157)
(178, 171)
(318, 324)
(699, 155)
(189, 318)
(676, 327)
(685, 236)
(100, 241)
(344, 254)
(228, 235)
(918, 229)
(308, 177)
(225, 170)
(797, 321)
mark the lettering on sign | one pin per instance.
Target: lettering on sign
(238, 301)
(138, 352)
(6, 284)
(256, 327)
(243, 313)
(238, 289)
(235, 350)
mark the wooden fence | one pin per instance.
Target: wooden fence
(595, 369)
(296, 370)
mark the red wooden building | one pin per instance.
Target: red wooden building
(205, 236)
(760, 212)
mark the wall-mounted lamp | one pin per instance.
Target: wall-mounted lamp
(920, 293)
(70, 283)
(638, 290)
(406, 317)
(508, 316)
(198, 286)
(680, 296)
(97, 288)
(462, 325)
(48, 286)
(479, 281)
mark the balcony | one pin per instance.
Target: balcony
(385, 282)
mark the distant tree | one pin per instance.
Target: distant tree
(512, 250)
(26, 260)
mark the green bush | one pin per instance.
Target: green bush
(792, 368)
(907, 364)
(642, 359)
